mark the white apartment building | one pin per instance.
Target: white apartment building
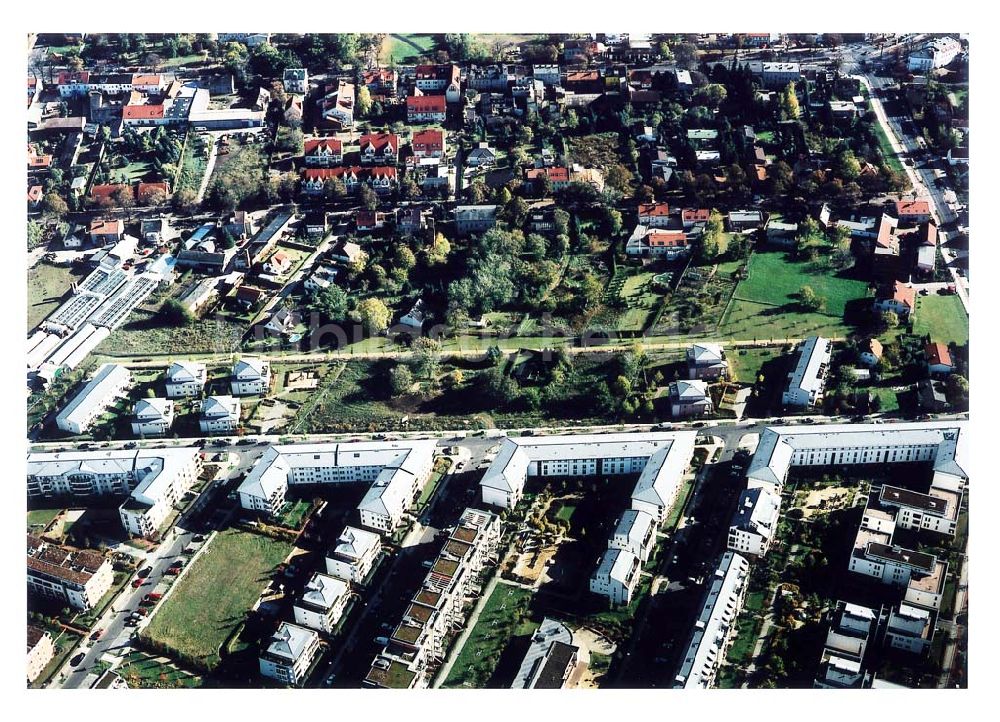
(40, 651)
(851, 626)
(438, 607)
(754, 522)
(395, 472)
(251, 376)
(936, 53)
(289, 654)
(152, 417)
(108, 385)
(713, 628)
(219, 415)
(80, 578)
(634, 533)
(322, 603)
(296, 80)
(185, 378)
(661, 457)
(616, 576)
(807, 381)
(910, 629)
(353, 555)
(152, 479)
(547, 73)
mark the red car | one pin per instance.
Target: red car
(136, 583)
(173, 571)
(143, 611)
(153, 597)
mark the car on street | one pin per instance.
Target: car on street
(96, 635)
(136, 583)
(77, 659)
(143, 573)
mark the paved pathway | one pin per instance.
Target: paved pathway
(209, 165)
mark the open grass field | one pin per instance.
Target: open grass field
(776, 280)
(407, 47)
(41, 518)
(47, 285)
(212, 599)
(943, 317)
(503, 616)
(142, 335)
(135, 171)
(744, 364)
(192, 166)
(748, 320)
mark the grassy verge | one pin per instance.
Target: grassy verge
(215, 595)
(143, 671)
(891, 159)
(47, 286)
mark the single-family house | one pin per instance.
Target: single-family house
(323, 152)
(899, 298)
(870, 352)
(152, 417)
(381, 149)
(185, 378)
(250, 376)
(219, 415)
(689, 398)
(938, 359)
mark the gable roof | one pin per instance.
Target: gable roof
(937, 354)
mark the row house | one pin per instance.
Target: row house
(379, 179)
(323, 152)
(426, 109)
(379, 149)
(436, 77)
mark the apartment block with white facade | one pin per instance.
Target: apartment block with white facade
(40, 651)
(851, 628)
(755, 521)
(152, 417)
(289, 654)
(151, 479)
(635, 533)
(438, 608)
(251, 376)
(322, 603)
(616, 576)
(911, 628)
(219, 415)
(808, 380)
(353, 555)
(185, 378)
(713, 628)
(661, 459)
(79, 578)
(108, 385)
(935, 53)
(395, 472)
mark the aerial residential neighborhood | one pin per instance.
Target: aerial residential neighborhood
(510, 361)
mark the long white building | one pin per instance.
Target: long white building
(395, 470)
(152, 479)
(808, 380)
(936, 53)
(713, 628)
(108, 385)
(661, 458)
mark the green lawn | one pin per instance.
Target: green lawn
(294, 513)
(47, 285)
(143, 335)
(775, 279)
(192, 165)
(405, 47)
(41, 518)
(674, 515)
(133, 172)
(500, 620)
(891, 159)
(214, 596)
(766, 136)
(748, 320)
(745, 364)
(943, 317)
(140, 670)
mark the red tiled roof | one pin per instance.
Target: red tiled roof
(426, 103)
(144, 189)
(912, 208)
(937, 354)
(555, 175)
(673, 239)
(874, 346)
(428, 139)
(147, 79)
(68, 78)
(931, 238)
(907, 295)
(35, 194)
(361, 173)
(105, 191)
(142, 112)
(695, 214)
(102, 227)
(312, 145)
(660, 210)
(379, 141)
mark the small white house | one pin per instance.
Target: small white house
(250, 376)
(322, 603)
(185, 378)
(219, 415)
(416, 316)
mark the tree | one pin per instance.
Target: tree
(810, 300)
(54, 206)
(174, 313)
(364, 101)
(35, 234)
(368, 198)
(185, 200)
(790, 102)
(404, 259)
(711, 96)
(957, 391)
(374, 315)
(400, 379)
(619, 177)
(426, 356)
(437, 252)
(330, 303)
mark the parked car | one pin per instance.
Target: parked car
(136, 583)
(77, 659)
(143, 573)
(96, 635)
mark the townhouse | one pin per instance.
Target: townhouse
(395, 472)
(654, 215)
(219, 415)
(323, 152)
(426, 109)
(353, 555)
(428, 144)
(379, 149)
(151, 479)
(435, 78)
(381, 179)
(152, 417)
(250, 376)
(913, 212)
(660, 459)
(807, 381)
(83, 82)
(437, 610)
(109, 384)
(289, 654)
(714, 626)
(78, 578)
(322, 603)
(185, 378)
